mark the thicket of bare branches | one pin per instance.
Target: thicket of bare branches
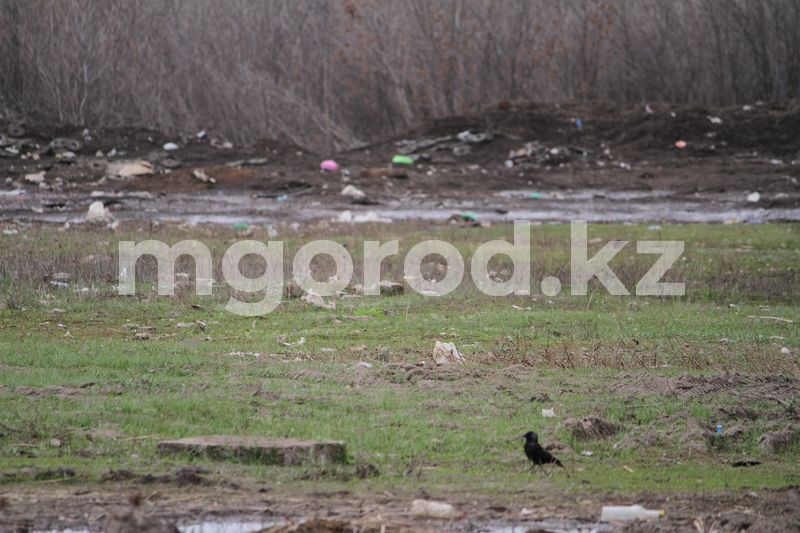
(329, 73)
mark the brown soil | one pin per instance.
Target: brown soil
(160, 507)
(736, 155)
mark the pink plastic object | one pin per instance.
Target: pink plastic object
(329, 165)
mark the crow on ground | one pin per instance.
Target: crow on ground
(538, 455)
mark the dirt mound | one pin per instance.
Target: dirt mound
(590, 427)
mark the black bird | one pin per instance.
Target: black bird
(538, 455)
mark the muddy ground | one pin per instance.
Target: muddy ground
(161, 507)
(518, 161)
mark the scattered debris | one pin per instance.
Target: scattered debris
(98, 213)
(283, 342)
(754, 197)
(170, 147)
(402, 160)
(353, 192)
(318, 301)
(548, 413)
(431, 509)
(680, 145)
(348, 217)
(37, 177)
(329, 165)
(624, 513)
(446, 353)
(201, 175)
(536, 153)
(130, 169)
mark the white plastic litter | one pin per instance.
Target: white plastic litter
(433, 509)
(98, 213)
(754, 198)
(622, 513)
(446, 353)
(169, 147)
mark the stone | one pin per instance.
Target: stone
(286, 452)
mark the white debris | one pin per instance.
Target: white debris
(202, 176)
(38, 177)
(628, 512)
(754, 198)
(170, 147)
(130, 169)
(433, 509)
(786, 351)
(98, 213)
(446, 353)
(371, 216)
(548, 413)
(715, 120)
(353, 192)
(201, 134)
(319, 301)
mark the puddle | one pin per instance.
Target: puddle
(252, 525)
(594, 205)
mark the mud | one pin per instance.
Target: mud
(166, 508)
(621, 166)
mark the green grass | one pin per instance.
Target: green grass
(448, 433)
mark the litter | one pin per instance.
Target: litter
(170, 147)
(715, 120)
(319, 301)
(680, 145)
(240, 226)
(587, 453)
(282, 341)
(130, 169)
(754, 197)
(624, 513)
(363, 364)
(329, 165)
(655, 227)
(201, 134)
(98, 213)
(786, 351)
(536, 196)
(474, 138)
(282, 198)
(579, 123)
(446, 353)
(402, 160)
(548, 413)
(202, 176)
(467, 218)
(348, 218)
(648, 109)
(433, 509)
(353, 192)
(38, 177)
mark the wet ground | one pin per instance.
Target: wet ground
(594, 205)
